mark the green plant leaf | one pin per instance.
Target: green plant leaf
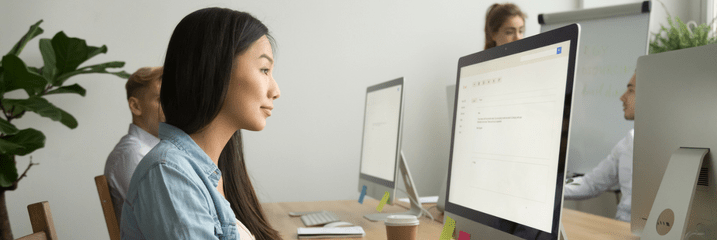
(679, 36)
(34, 70)
(93, 51)
(30, 139)
(69, 52)
(68, 120)
(74, 88)
(9, 148)
(49, 71)
(7, 127)
(42, 107)
(8, 171)
(35, 104)
(2, 80)
(17, 76)
(32, 33)
(98, 68)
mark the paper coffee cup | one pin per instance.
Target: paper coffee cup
(401, 227)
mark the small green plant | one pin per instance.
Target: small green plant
(680, 36)
(62, 57)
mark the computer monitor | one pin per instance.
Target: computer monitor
(675, 95)
(381, 154)
(510, 137)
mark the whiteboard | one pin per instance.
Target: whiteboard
(612, 38)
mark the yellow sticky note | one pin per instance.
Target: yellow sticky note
(379, 208)
(448, 227)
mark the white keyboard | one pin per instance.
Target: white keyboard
(320, 218)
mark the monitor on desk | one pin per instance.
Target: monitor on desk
(675, 96)
(381, 155)
(381, 141)
(509, 138)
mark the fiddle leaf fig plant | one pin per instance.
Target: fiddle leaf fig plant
(62, 57)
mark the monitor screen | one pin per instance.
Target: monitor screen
(381, 132)
(512, 110)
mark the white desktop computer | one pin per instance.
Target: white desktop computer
(381, 155)
(674, 183)
(510, 137)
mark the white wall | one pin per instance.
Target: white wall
(328, 53)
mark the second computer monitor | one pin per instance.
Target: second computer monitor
(381, 142)
(509, 140)
(675, 97)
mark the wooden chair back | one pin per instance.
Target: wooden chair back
(43, 227)
(107, 207)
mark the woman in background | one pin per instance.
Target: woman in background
(194, 184)
(504, 23)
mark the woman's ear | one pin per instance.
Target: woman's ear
(134, 106)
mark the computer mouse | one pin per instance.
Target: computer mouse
(338, 224)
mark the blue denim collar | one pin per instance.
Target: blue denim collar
(185, 143)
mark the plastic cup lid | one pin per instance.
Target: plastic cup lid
(401, 220)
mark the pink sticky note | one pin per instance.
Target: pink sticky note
(464, 236)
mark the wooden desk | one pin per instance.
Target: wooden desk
(578, 225)
(348, 211)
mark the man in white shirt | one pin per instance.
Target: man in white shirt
(143, 98)
(613, 170)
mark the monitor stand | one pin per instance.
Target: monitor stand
(561, 234)
(670, 213)
(410, 189)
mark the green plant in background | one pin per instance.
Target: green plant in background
(680, 36)
(62, 57)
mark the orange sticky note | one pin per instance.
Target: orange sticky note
(448, 227)
(379, 208)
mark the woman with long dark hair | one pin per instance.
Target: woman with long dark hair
(194, 184)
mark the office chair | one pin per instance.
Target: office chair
(103, 190)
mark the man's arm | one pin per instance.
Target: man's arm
(601, 178)
(121, 165)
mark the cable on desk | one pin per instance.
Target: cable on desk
(697, 232)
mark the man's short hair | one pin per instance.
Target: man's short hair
(141, 79)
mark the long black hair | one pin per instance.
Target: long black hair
(197, 72)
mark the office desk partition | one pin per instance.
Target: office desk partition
(578, 225)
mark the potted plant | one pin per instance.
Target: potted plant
(62, 57)
(679, 35)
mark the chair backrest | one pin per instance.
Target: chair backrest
(43, 227)
(107, 207)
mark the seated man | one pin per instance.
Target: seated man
(613, 170)
(143, 98)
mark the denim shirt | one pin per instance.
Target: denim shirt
(173, 194)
